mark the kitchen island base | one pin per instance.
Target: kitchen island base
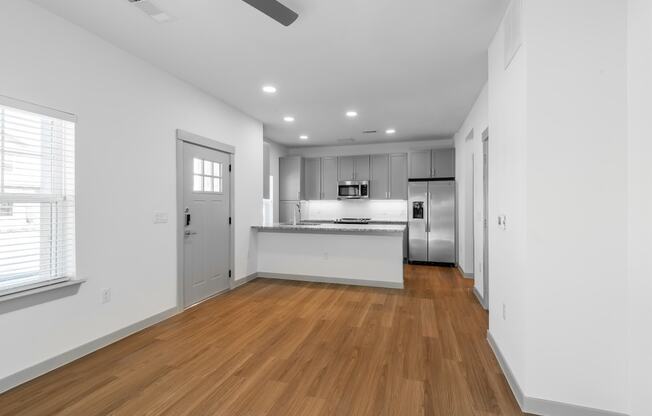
(363, 259)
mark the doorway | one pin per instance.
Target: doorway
(205, 236)
(485, 218)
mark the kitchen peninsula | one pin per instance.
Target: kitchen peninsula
(354, 254)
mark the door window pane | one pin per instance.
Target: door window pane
(197, 183)
(197, 165)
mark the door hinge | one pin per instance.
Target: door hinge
(229, 273)
(229, 168)
(229, 220)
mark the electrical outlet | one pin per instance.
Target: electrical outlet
(160, 217)
(504, 312)
(106, 295)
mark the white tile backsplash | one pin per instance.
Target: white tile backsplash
(374, 209)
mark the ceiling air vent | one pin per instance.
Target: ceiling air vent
(370, 131)
(151, 10)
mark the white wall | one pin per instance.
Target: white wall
(275, 152)
(558, 165)
(468, 161)
(640, 205)
(577, 202)
(128, 112)
(507, 251)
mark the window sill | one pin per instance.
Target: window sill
(47, 288)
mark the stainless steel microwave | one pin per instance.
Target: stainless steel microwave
(353, 190)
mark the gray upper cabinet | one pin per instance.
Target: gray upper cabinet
(443, 163)
(345, 168)
(312, 181)
(290, 176)
(420, 164)
(439, 163)
(398, 179)
(361, 169)
(379, 185)
(266, 163)
(329, 178)
(353, 168)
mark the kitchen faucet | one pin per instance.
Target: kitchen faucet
(298, 206)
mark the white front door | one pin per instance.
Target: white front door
(206, 211)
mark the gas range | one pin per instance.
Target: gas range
(352, 221)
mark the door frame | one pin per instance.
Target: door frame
(182, 137)
(485, 219)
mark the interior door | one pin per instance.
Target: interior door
(441, 239)
(485, 221)
(207, 237)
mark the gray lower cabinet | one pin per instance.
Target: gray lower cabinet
(312, 179)
(398, 178)
(329, 178)
(379, 184)
(290, 177)
(429, 164)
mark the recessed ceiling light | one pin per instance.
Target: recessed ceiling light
(303, 137)
(288, 119)
(269, 89)
(351, 113)
(390, 131)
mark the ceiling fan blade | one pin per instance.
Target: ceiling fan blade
(275, 10)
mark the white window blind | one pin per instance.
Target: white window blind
(37, 196)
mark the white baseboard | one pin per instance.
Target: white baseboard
(53, 363)
(480, 299)
(334, 280)
(237, 283)
(464, 274)
(541, 407)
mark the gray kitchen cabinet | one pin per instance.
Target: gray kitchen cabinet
(345, 168)
(420, 164)
(361, 168)
(398, 178)
(427, 164)
(266, 170)
(290, 176)
(312, 179)
(443, 163)
(379, 184)
(329, 178)
(353, 168)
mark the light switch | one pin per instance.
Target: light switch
(160, 217)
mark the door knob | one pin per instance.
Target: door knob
(188, 233)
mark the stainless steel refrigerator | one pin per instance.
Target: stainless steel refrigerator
(431, 221)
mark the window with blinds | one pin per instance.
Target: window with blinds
(37, 196)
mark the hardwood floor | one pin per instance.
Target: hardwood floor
(288, 348)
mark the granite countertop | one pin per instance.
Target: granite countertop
(370, 221)
(325, 228)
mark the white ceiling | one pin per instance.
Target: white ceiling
(413, 65)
